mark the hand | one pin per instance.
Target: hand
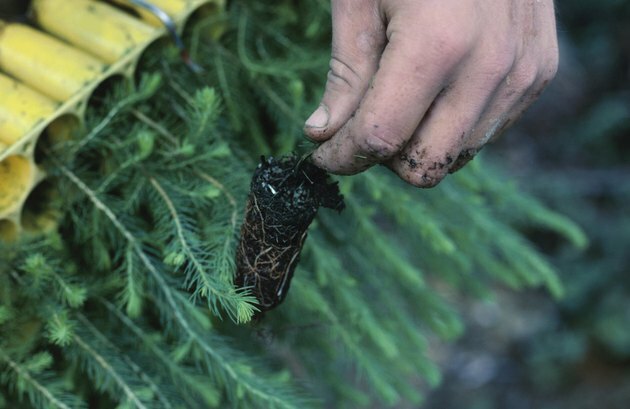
(422, 85)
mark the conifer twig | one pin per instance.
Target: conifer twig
(194, 335)
(275, 68)
(179, 90)
(155, 126)
(280, 103)
(234, 216)
(162, 355)
(104, 123)
(213, 181)
(209, 283)
(134, 367)
(108, 368)
(227, 94)
(137, 247)
(26, 376)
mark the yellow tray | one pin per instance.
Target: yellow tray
(48, 72)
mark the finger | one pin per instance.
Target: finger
(506, 106)
(501, 113)
(358, 40)
(414, 68)
(521, 89)
(443, 133)
(465, 156)
(512, 99)
(505, 109)
(536, 67)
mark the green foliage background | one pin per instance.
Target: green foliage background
(571, 151)
(591, 182)
(130, 303)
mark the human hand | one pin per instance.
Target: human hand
(422, 85)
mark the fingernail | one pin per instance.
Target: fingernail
(319, 118)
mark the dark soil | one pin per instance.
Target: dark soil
(285, 196)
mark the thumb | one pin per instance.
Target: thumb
(358, 41)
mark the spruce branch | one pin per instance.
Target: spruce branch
(239, 306)
(181, 91)
(239, 375)
(277, 100)
(214, 182)
(60, 328)
(405, 210)
(227, 68)
(40, 394)
(227, 94)
(366, 363)
(151, 123)
(147, 88)
(390, 254)
(206, 107)
(140, 372)
(178, 372)
(46, 272)
(109, 369)
(224, 258)
(132, 294)
(134, 243)
(353, 301)
(272, 68)
(71, 294)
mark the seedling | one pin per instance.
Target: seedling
(284, 198)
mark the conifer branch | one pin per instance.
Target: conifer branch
(366, 363)
(176, 371)
(155, 126)
(225, 256)
(280, 103)
(133, 242)
(272, 68)
(239, 309)
(213, 181)
(146, 89)
(102, 362)
(233, 98)
(134, 367)
(227, 95)
(132, 293)
(24, 374)
(73, 295)
(60, 328)
(229, 369)
(180, 91)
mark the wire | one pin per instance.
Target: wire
(168, 22)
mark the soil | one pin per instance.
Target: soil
(284, 198)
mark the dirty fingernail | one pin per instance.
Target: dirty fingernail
(318, 119)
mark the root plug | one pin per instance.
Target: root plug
(284, 198)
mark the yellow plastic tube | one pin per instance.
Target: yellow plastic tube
(8, 230)
(21, 109)
(45, 63)
(17, 177)
(95, 27)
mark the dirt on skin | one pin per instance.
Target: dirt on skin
(464, 157)
(284, 198)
